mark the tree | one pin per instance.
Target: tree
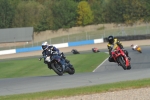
(146, 10)
(27, 14)
(7, 14)
(85, 15)
(45, 21)
(97, 8)
(113, 11)
(64, 14)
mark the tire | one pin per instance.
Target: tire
(129, 67)
(57, 68)
(98, 51)
(122, 63)
(71, 70)
(140, 51)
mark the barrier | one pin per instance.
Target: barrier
(3, 52)
(78, 43)
(131, 37)
(62, 45)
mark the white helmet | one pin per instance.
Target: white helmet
(44, 45)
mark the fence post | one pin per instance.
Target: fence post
(86, 35)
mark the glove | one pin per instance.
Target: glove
(40, 59)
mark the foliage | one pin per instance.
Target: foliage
(85, 15)
(64, 14)
(126, 11)
(114, 11)
(97, 8)
(55, 14)
(7, 14)
(45, 21)
(27, 14)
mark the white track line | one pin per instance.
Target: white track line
(100, 64)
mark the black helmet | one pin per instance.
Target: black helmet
(110, 39)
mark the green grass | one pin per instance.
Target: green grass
(80, 91)
(32, 67)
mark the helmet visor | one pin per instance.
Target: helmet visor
(44, 47)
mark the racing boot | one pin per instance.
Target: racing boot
(129, 58)
(126, 52)
(62, 55)
(67, 61)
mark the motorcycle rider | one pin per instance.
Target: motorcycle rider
(111, 42)
(47, 52)
(134, 47)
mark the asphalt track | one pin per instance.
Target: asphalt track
(105, 73)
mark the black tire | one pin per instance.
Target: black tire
(140, 51)
(98, 51)
(122, 62)
(129, 67)
(57, 68)
(71, 70)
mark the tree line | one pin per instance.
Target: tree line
(55, 14)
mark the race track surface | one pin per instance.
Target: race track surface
(106, 73)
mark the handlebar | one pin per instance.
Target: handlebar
(41, 58)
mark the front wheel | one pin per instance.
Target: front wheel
(57, 68)
(122, 62)
(129, 67)
(71, 70)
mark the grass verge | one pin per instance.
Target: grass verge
(80, 91)
(32, 67)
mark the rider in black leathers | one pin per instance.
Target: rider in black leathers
(47, 52)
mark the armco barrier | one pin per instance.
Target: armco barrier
(78, 43)
(131, 37)
(28, 49)
(3, 52)
(62, 45)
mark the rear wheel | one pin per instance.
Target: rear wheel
(140, 51)
(57, 68)
(122, 62)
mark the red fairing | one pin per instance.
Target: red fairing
(119, 52)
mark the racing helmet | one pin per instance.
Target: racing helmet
(44, 45)
(110, 39)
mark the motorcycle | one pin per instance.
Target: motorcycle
(95, 50)
(120, 57)
(55, 63)
(139, 49)
(74, 51)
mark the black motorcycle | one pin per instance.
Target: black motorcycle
(74, 51)
(55, 63)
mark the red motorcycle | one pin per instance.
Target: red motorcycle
(120, 57)
(95, 50)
